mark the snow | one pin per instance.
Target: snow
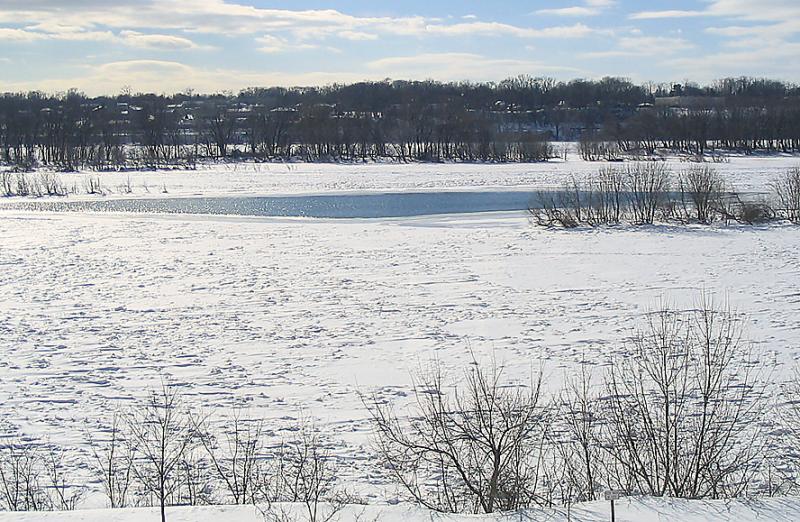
(300, 316)
(627, 510)
(746, 173)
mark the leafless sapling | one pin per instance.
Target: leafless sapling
(236, 456)
(161, 433)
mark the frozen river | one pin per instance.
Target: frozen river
(328, 206)
(314, 206)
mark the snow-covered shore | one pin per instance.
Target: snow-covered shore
(745, 173)
(627, 510)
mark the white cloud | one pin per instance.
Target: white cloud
(19, 35)
(762, 10)
(590, 8)
(570, 11)
(70, 33)
(780, 62)
(654, 44)
(156, 41)
(164, 76)
(499, 29)
(273, 44)
(26, 35)
(457, 66)
(357, 35)
(763, 37)
(227, 18)
(746, 29)
(772, 30)
(177, 25)
(643, 46)
(169, 77)
(674, 13)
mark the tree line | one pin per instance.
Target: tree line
(511, 120)
(686, 410)
(700, 131)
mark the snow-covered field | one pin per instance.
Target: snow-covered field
(298, 317)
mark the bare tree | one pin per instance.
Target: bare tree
(593, 149)
(701, 190)
(575, 202)
(549, 211)
(113, 464)
(639, 193)
(21, 481)
(608, 205)
(648, 187)
(236, 456)
(576, 438)
(161, 431)
(681, 409)
(787, 190)
(217, 129)
(63, 493)
(784, 478)
(751, 211)
(36, 479)
(303, 473)
(475, 448)
(195, 479)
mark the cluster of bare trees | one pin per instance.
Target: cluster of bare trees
(682, 417)
(47, 183)
(681, 414)
(511, 120)
(592, 149)
(760, 127)
(475, 449)
(145, 131)
(745, 115)
(649, 192)
(31, 184)
(787, 191)
(683, 410)
(161, 454)
(34, 479)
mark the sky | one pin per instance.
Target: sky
(167, 46)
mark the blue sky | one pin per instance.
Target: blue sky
(104, 46)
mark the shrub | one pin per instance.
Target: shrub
(787, 190)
